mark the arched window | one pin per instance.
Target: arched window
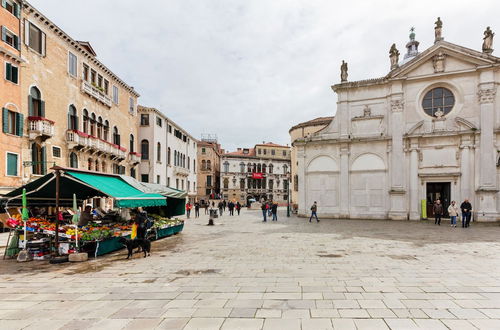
(189, 162)
(72, 118)
(203, 165)
(38, 158)
(271, 166)
(264, 168)
(73, 160)
(242, 167)
(85, 121)
(226, 166)
(259, 168)
(254, 168)
(158, 152)
(89, 164)
(99, 127)
(35, 103)
(92, 124)
(175, 157)
(249, 168)
(96, 165)
(194, 165)
(132, 143)
(145, 149)
(184, 161)
(226, 183)
(106, 131)
(285, 169)
(169, 152)
(103, 166)
(209, 165)
(116, 136)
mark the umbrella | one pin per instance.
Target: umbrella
(75, 219)
(25, 216)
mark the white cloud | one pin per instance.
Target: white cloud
(249, 70)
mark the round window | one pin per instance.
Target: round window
(438, 102)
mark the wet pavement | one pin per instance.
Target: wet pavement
(291, 274)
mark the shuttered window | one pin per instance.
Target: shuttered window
(10, 38)
(12, 7)
(115, 94)
(12, 164)
(34, 37)
(11, 73)
(12, 122)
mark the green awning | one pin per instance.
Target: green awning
(124, 194)
(155, 188)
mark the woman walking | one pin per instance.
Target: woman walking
(453, 211)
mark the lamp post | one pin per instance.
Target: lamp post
(288, 195)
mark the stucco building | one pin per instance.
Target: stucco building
(11, 170)
(209, 154)
(168, 152)
(259, 173)
(428, 129)
(78, 113)
(296, 132)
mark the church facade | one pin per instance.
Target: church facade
(428, 130)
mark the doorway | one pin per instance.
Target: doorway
(435, 191)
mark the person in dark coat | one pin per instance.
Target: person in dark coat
(238, 207)
(466, 208)
(221, 208)
(230, 205)
(224, 204)
(196, 209)
(437, 209)
(274, 211)
(264, 211)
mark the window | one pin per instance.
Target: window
(99, 127)
(106, 131)
(271, 184)
(189, 162)
(131, 106)
(209, 165)
(226, 166)
(96, 165)
(12, 122)
(264, 168)
(132, 172)
(131, 143)
(85, 121)
(296, 182)
(158, 152)
(208, 191)
(203, 151)
(92, 124)
(158, 121)
(10, 38)
(168, 155)
(12, 164)
(144, 177)
(285, 169)
(259, 168)
(203, 165)
(106, 87)
(72, 64)
(273, 152)
(89, 164)
(12, 7)
(285, 184)
(144, 119)
(115, 94)
(438, 102)
(56, 152)
(73, 160)
(182, 184)
(242, 167)
(93, 76)
(168, 182)
(72, 118)
(176, 183)
(11, 73)
(85, 73)
(188, 185)
(144, 149)
(116, 136)
(34, 38)
(259, 151)
(284, 153)
(158, 179)
(35, 103)
(194, 166)
(170, 128)
(99, 81)
(38, 158)
(103, 167)
(264, 181)
(242, 184)
(265, 151)
(209, 180)
(271, 166)
(226, 183)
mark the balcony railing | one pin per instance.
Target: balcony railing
(96, 93)
(134, 157)
(40, 126)
(77, 139)
(181, 171)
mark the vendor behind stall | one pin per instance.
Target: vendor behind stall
(141, 219)
(86, 216)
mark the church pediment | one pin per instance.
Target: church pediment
(443, 57)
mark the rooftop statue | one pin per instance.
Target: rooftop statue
(343, 71)
(488, 41)
(394, 56)
(437, 30)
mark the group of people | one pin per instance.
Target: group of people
(190, 206)
(454, 211)
(231, 206)
(269, 209)
(222, 205)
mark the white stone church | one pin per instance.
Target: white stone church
(429, 129)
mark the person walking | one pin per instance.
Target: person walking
(196, 209)
(224, 204)
(263, 207)
(238, 207)
(453, 211)
(274, 211)
(206, 206)
(314, 209)
(466, 208)
(230, 206)
(188, 209)
(438, 212)
(221, 208)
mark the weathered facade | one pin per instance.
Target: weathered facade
(429, 129)
(209, 154)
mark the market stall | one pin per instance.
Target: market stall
(51, 196)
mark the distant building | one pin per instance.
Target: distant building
(168, 152)
(298, 131)
(209, 154)
(259, 173)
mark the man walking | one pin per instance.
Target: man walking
(238, 207)
(221, 207)
(438, 212)
(274, 211)
(466, 208)
(264, 211)
(314, 209)
(196, 209)
(230, 205)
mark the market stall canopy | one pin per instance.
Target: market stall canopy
(154, 188)
(84, 185)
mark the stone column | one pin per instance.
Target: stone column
(414, 197)
(344, 181)
(465, 179)
(301, 172)
(397, 192)
(486, 193)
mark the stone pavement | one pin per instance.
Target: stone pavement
(290, 274)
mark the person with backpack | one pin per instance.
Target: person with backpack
(314, 209)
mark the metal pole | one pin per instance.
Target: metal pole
(58, 176)
(288, 196)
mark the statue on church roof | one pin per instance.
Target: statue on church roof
(488, 41)
(394, 56)
(437, 30)
(343, 71)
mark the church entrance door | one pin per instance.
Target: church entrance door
(441, 191)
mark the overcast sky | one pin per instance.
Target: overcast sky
(249, 70)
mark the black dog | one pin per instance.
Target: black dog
(131, 244)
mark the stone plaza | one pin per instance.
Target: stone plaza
(291, 274)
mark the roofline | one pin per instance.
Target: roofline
(63, 35)
(319, 123)
(151, 109)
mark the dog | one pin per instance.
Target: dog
(131, 244)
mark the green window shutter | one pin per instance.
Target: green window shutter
(16, 42)
(17, 10)
(8, 71)
(4, 34)
(30, 105)
(12, 164)
(42, 108)
(19, 124)
(15, 74)
(4, 3)
(5, 120)
(44, 161)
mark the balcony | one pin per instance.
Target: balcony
(80, 140)
(134, 157)
(39, 126)
(181, 171)
(96, 93)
